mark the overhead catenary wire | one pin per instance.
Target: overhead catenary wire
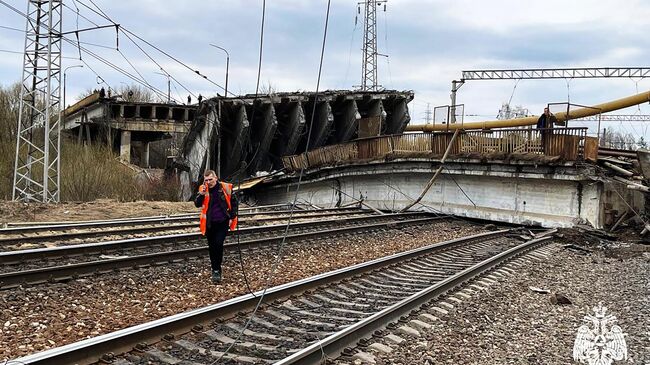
(12, 28)
(437, 211)
(157, 91)
(390, 74)
(85, 50)
(296, 194)
(22, 53)
(128, 36)
(139, 80)
(347, 70)
(128, 33)
(259, 302)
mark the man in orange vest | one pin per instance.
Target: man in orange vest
(218, 215)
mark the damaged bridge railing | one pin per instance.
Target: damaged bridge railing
(568, 144)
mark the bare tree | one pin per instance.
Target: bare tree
(132, 93)
(9, 107)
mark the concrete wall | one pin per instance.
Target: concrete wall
(559, 196)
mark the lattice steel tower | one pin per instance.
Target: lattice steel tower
(369, 61)
(36, 169)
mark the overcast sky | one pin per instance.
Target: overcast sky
(428, 43)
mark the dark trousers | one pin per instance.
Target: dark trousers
(216, 234)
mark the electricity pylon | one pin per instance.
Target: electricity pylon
(38, 138)
(369, 61)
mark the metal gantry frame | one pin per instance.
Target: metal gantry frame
(38, 138)
(369, 80)
(547, 73)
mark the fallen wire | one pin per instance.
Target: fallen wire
(278, 259)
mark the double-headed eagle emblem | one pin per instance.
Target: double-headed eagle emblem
(601, 343)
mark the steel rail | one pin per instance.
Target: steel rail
(68, 272)
(262, 209)
(18, 256)
(90, 350)
(161, 219)
(333, 345)
(6, 241)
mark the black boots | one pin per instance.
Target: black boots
(216, 277)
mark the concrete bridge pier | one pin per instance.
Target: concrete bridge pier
(145, 154)
(291, 126)
(397, 117)
(372, 109)
(236, 142)
(323, 121)
(264, 125)
(347, 121)
(125, 146)
(195, 147)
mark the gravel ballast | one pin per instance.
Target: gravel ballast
(36, 318)
(508, 323)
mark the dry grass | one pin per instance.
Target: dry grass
(87, 173)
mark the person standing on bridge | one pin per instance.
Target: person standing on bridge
(545, 125)
(218, 215)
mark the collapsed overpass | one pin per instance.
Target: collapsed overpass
(241, 136)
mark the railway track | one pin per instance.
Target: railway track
(14, 237)
(63, 263)
(302, 321)
(266, 209)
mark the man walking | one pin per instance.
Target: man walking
(218, 215)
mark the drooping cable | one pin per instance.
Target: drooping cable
(11, 28)
(92, 54)
(129, 33)
(278, 259)
(103, 15)
(115, 67)
(347, 69)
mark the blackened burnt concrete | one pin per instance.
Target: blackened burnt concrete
(254, 133)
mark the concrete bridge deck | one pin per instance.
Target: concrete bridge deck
(519, 182)
(127, 126)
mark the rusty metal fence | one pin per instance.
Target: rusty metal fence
(565, 143)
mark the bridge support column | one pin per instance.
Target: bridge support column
(125, 146)
(145, 154)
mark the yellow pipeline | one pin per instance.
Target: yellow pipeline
(577, 113)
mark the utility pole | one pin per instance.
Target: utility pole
(169, 85)
(369, 60)
(38, 137)
(219, 130)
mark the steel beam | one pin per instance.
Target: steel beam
(556, 73)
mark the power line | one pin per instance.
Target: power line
(22, 53)
(92, 54)
(11, 28)
(116, 68)
(347, 70)
(145, 83)
(279, 256)
(125, 30)
(283, 241)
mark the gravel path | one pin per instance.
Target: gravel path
(36, 318)
(508, 323)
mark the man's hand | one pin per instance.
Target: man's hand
(202, 189)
